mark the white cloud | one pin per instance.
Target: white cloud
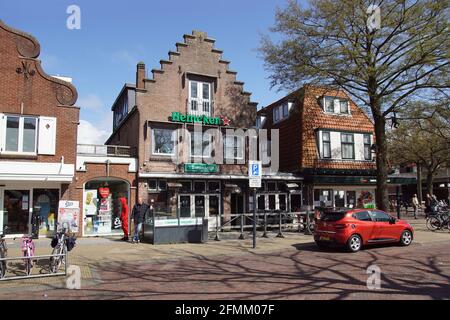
(91, 102)
(89, 133)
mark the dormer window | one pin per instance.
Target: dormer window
(281, 112)
(336, 105)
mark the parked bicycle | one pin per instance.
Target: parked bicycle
(28, 248)
(302, 223)
(3, 253)
(61, 244)
(438, 221)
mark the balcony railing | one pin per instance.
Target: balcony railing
(200, 107)
(105, 150)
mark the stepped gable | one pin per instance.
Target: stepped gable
(175, 55)
(28, 50)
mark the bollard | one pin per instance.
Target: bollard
(241, 237)
(217, 229)
(280, 234)
(265, 226)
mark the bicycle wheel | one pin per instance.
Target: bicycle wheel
(55, 262)
(433, 223)
(2, 264)
(28, 263)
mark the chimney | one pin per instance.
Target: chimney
(140, 75)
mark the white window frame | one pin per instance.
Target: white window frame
(207, 151)
(200, 100)
(237, 140)
(154, 144)
(336, 104)
(20, 135)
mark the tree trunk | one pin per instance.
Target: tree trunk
(382, 198)
(430, 178)
(419, 182)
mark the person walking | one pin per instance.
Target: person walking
(416, 206)
(124, 217)
(140, 211)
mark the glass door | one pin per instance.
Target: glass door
(200, 206)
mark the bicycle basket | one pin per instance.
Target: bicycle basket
(70, 243)
(54, 242)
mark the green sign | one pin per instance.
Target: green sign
(200, 168)
(188, 118)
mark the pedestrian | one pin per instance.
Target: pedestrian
(416, 206)
(124, 217)
(140, 211)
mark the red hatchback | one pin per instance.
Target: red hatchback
(354, 228)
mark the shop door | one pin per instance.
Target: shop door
(16, 211)
(184, 204)
(213, 213)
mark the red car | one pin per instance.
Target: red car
(354, 228)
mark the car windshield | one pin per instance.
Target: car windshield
(332, 215)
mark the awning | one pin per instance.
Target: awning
(36, 171)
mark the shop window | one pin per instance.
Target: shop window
(261, 206)
(213, 186)
(351, 199)
(162, 185)
(45, 205)
(16, 211)
(185, 206)
(199, 186)
(199, 206)
(272, 202)
(186, 186)
(339, 200)
(152, 184)
(213, 205)
(21, 134)
(322, 197)
(282, 201)
(163, 141)
(271, 186)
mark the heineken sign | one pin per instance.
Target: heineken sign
(188, 118)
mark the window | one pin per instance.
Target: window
(276, 115)
(21, 134)
(199, 186)
(162, 185)
(379, 216)
(343, 106)
(329, 104)
(213, 186)
(285, 110)
(163, 142)
(186, 186)
(152, 184)
(200, 144)
(367, 147)
(234, 147)
(363, 216)
(348, 146)
(200, 98)
(271, 186)
(282, 200)
(326, 145)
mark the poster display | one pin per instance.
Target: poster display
(90, 202)
(69, 213)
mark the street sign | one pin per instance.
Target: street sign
(255, 174)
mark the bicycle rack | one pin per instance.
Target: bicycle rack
(35, 259)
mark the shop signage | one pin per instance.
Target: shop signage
(200, 168)
(188, 118)
(68, 213)
(104, 192)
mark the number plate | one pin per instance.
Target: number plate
(322, 238)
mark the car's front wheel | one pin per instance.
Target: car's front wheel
(354, 243)
(406, 238)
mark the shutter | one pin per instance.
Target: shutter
(2, 131)
(47, 136)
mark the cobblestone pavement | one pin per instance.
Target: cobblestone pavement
(288, 268)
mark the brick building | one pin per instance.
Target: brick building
(38, 130)
(174, 119)
(325, 138)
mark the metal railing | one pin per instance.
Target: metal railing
(302, 222)
(45, 267)
(105, 150)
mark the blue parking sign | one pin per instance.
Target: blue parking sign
(255, 170)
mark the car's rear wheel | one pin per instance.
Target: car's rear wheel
(406, 238)
(354, 243)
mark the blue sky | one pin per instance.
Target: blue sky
(115, 35)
